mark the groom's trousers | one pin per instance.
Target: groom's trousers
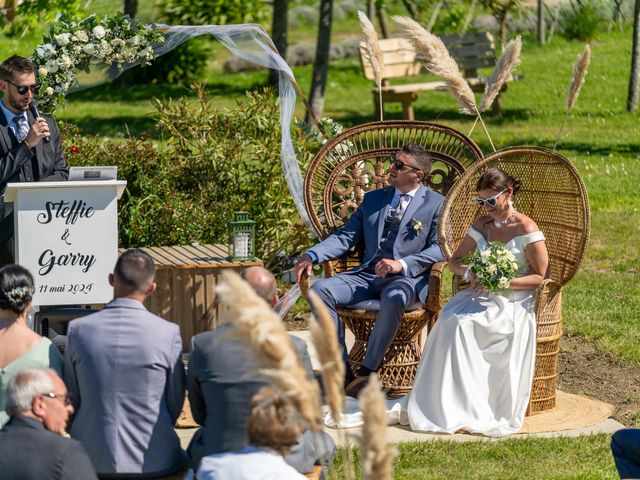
(395, 292)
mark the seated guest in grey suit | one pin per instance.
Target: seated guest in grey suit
(222, 378)
(126, 378)
(274, 425)
(32, 446)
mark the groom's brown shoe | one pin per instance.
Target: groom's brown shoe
(355, 387)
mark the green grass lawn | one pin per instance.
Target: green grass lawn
(584, 457)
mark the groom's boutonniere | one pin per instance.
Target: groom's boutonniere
(416, 225)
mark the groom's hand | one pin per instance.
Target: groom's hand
(387, 266)
(304, 264)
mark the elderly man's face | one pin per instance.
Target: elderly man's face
(55, 407)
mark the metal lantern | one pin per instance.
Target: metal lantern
(242, 232)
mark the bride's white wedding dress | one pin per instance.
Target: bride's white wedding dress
(477, 365)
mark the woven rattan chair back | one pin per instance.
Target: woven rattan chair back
(554, 196)
(348, 166)
(357, 161)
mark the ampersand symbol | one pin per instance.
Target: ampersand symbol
(65, 236)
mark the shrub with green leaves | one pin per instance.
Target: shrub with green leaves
(212, 163)
(211, 12)
(580, 20)
(30, 14)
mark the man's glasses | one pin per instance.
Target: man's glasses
(65, 398)
(491, 201)
(23, 89)
(399, 164)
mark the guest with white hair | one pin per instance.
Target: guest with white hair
(32, 443)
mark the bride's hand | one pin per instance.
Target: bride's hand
(477, 286)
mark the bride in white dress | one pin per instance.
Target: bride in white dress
(477, 365)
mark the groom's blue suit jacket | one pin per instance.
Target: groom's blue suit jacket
(418, 247)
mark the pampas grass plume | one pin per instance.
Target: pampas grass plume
(439, 62)
(579, 74)
(509, 59)
(257, 325)
(325, 339)
(372, 45)
(376, 456)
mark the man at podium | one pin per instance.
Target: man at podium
(30, 147)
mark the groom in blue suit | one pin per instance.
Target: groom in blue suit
(398, 226)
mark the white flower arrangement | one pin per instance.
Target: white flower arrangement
(70, 47)
(416, 225)
(493, 267)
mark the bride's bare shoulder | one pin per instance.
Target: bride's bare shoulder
(526, 225)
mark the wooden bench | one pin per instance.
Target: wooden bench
(471, 51)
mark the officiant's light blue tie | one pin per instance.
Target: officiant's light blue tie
(21, 128)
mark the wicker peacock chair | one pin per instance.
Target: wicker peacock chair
(554, 196)
(348, 166)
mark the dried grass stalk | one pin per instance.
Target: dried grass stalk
(438, 61)
(376, 456)
(261, 328)
(509, 59)
(372, 46)
(325, 339)
(579, 74)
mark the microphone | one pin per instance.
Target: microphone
(33, 108)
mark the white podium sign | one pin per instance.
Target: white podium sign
(66, 234)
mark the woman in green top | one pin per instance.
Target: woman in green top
(20, 347)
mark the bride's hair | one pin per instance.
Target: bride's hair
(498, 180)
(16, 288)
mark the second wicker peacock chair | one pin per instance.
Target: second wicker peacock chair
(554, 196)
(348, 166)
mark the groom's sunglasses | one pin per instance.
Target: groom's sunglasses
(23, 89)
(399, 164)
(491, 201)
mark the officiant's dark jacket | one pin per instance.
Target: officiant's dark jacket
(18, 163)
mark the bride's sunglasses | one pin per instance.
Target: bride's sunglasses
(491, 201)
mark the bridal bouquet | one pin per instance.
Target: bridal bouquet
(493, 267)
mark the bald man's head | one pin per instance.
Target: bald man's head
(263, 282)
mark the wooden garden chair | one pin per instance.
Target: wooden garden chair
(348, 166)
(554, 196)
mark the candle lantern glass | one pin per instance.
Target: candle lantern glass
(242, 232)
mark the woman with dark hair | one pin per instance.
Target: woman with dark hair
(20, 347)
(478, 361)
(274, 427)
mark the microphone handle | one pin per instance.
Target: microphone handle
(36, 113)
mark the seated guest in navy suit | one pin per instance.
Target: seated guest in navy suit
(32, 446)
(398, 227)
(273, 428)
(223, 377)
(625, 446)
(124, 370)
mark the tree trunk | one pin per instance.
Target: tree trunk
(382, 20)
(634, 78)
(503, 28)
(541, 28)
(371, 8)
(411, 9)
(321, 63)
(131, 7)
(279, 32)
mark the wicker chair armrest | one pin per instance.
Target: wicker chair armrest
(436, 288)
(547, 295)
